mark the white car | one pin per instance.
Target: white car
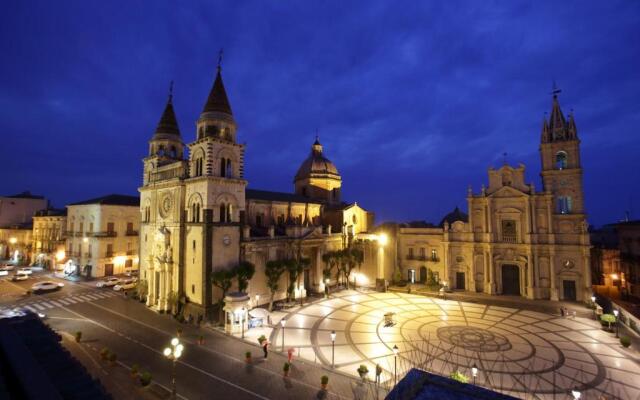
(108, 282)
(46, 286)
(25, 270)
(6, 267)
(20, 276)
(126, 285)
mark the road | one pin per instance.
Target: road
(138, 335)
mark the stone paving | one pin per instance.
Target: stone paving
(524, 353)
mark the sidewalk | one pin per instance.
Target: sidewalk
(116, 379)
(544, 306)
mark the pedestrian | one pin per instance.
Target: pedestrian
(199, 320)
(290, 354)
(124, 292)
(265, 349)
(562, 311)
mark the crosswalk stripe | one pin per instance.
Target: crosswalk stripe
(55, 303)
(103, 295)
(64, 302)
(84, 298)
(90, 296)
(38, 306)
(71, 300)
(30, 308)
(47, 304)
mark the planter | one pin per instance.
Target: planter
(324, 386)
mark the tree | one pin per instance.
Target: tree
(273, 270)
(294, 267)
(354, 257)
(244, 272)
(172, 301)
(142, 289)
(223, 280)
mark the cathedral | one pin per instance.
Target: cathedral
(515, 240)
(198, 216)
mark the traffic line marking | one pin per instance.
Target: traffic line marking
(90, 296)
(63, 301)
(38, 306)
(56, 303)
(30, 308)
(71, 300)
(47, 304)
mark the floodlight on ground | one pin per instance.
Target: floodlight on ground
(333, 349)
(576, 394)
(474, 372)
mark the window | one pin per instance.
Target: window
(110, 227)
(422, 252)
(259, 220)
(193, 289)
(304, 191)
(225, 212)
(90, 226)
(129, 227)
(564, 205)
(561, 160)
(410, 252)
(228, 169)
(194, 244)
(223, 167)
(195, 212)
(198, 167)
(434, 255)
(109, 250)
(509, 232)
(280, 219)
(81, 228)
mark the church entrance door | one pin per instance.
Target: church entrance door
(569, 289)
(511, 280)
(108, 269)
(460, 280)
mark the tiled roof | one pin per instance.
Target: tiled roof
(217, 100)
(265, 195)
(25, 195)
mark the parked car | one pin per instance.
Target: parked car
(126, 285)
(6, 267)
(46, 286)
(20, 276)
(25, 270)
(131, 273)
(108, 282)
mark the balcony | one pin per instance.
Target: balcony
(108, 254)
(131, 233)
(105, 234)
(509, 239)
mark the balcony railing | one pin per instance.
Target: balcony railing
(131, 233)
(509, 238)
(105, 234)
(422, 257)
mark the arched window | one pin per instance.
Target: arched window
(228, 169)
(561, 160)
(564, 205)
(174, 152)
(195, 212)
(223, 167)
(161, 150)
(259, 220)
(197, 164)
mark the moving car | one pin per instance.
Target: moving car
(46, 286)
(25, 270)
(108, 282)
(126, 285)
(20, 276)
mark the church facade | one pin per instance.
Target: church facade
(514, 240)
(198, 216)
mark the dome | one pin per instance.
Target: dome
(453, 216)
(316, 164)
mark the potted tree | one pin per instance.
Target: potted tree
(135, 370)
(104, 354)
(625, 341)
(608, 318)
(286, 368)
(247, 357)
(78, 336)
(145, 379)
(112, 358)
(324, 380)
(459, 376)
(262, 339)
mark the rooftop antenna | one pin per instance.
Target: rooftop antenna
(220, 53)
(171, 91)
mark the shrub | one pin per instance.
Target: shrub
(112, 357)
(363, 370)
(78, 336)
(608, 318)
(104, 353)
(262, 339)
(247, 354)
(625, 341)
(145, 378)
(324, 379)
(633, 325)
(459, 376)
(135, 369)
(397, 276)
(286, 367)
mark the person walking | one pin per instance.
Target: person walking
(265, 345)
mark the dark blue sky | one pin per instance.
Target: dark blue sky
(413, 100)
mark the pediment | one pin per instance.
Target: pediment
(508, 191)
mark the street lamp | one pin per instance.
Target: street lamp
(576, 394)
(383, 239)
(593, 303)
(333, 349)
(395, 365)
(616, 312)
(13, 240)
(474, 372)
(244, 310)
(257, 300)
(283, 322)
(173, 353)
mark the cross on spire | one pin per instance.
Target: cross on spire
(555, 90)
(171, 91)
(220, 53)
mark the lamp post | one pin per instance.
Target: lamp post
(474, 372)
(616, 312)
(326, 287)
(173, 353)
(242, 317)
(333, 349)
(257, 300)
(576, 394)
(395, 365)
(283, 322)
(593, 303)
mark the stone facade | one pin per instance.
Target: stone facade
(515, 240)
(199, 217)
(102, 235)
(49, 234)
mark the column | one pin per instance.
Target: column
(161, 296)
(151, 288)
(492, 279)
(553, 295)
(530, 281)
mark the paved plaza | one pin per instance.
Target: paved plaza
(517, 351)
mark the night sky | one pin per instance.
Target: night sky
(413, 101)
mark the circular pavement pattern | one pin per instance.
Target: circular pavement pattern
(523, 353)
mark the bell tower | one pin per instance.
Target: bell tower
(561, 167)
